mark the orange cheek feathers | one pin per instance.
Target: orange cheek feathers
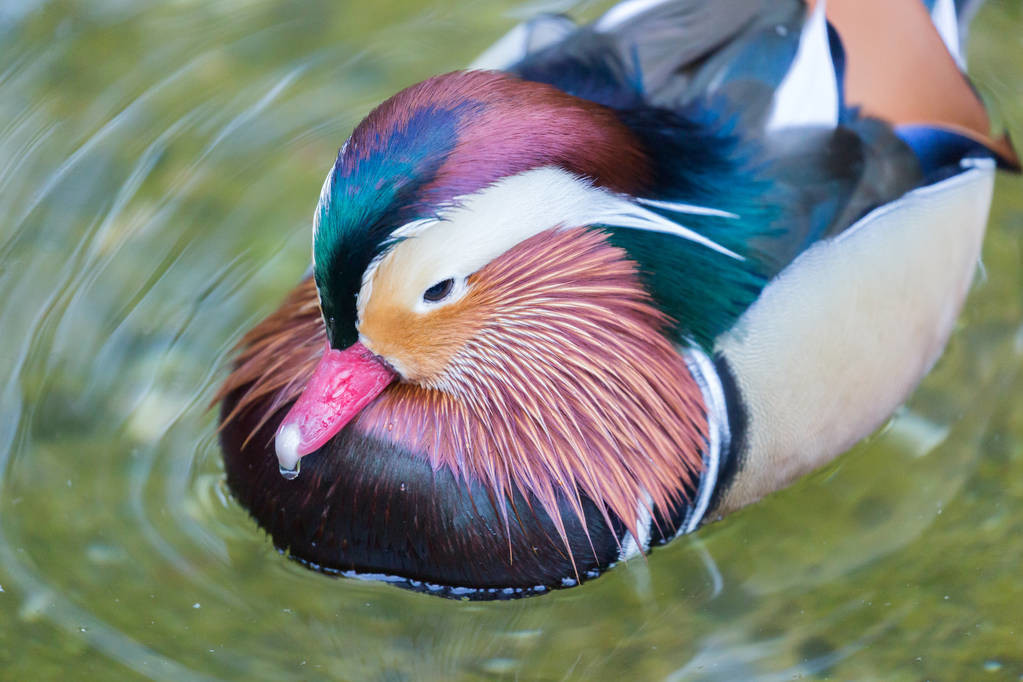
(419, 345)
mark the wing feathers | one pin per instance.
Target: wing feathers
(809, 93)
(899, 69)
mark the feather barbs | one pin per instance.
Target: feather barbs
(566, 387)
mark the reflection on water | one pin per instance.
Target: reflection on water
(158, 167)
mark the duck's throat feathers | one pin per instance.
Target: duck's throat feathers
(568, 389)
(569, 393)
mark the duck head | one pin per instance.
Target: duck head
(477, 312)
(496, 372)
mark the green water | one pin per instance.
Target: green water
(158, 169)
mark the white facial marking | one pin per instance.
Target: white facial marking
(479, 227)
(681, 207)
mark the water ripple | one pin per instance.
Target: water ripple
(159, 167)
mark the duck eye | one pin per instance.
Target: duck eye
(439, 291)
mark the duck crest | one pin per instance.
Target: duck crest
(443, 138)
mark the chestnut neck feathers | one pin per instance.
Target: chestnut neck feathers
(567, 383)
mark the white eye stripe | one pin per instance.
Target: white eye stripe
(477, 228)
(481, 226)
(682, 207)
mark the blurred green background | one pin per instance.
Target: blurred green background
(159, 164)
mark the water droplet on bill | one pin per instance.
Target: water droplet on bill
(290, 474)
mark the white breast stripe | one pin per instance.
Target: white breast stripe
(478, 227)
(630, 546)
(808, 95)
(720, 435)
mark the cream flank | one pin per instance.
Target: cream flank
(870, 311)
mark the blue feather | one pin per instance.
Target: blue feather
(374, 188)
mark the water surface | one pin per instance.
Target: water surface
(159, 164)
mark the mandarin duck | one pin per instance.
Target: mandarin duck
(611, 283)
